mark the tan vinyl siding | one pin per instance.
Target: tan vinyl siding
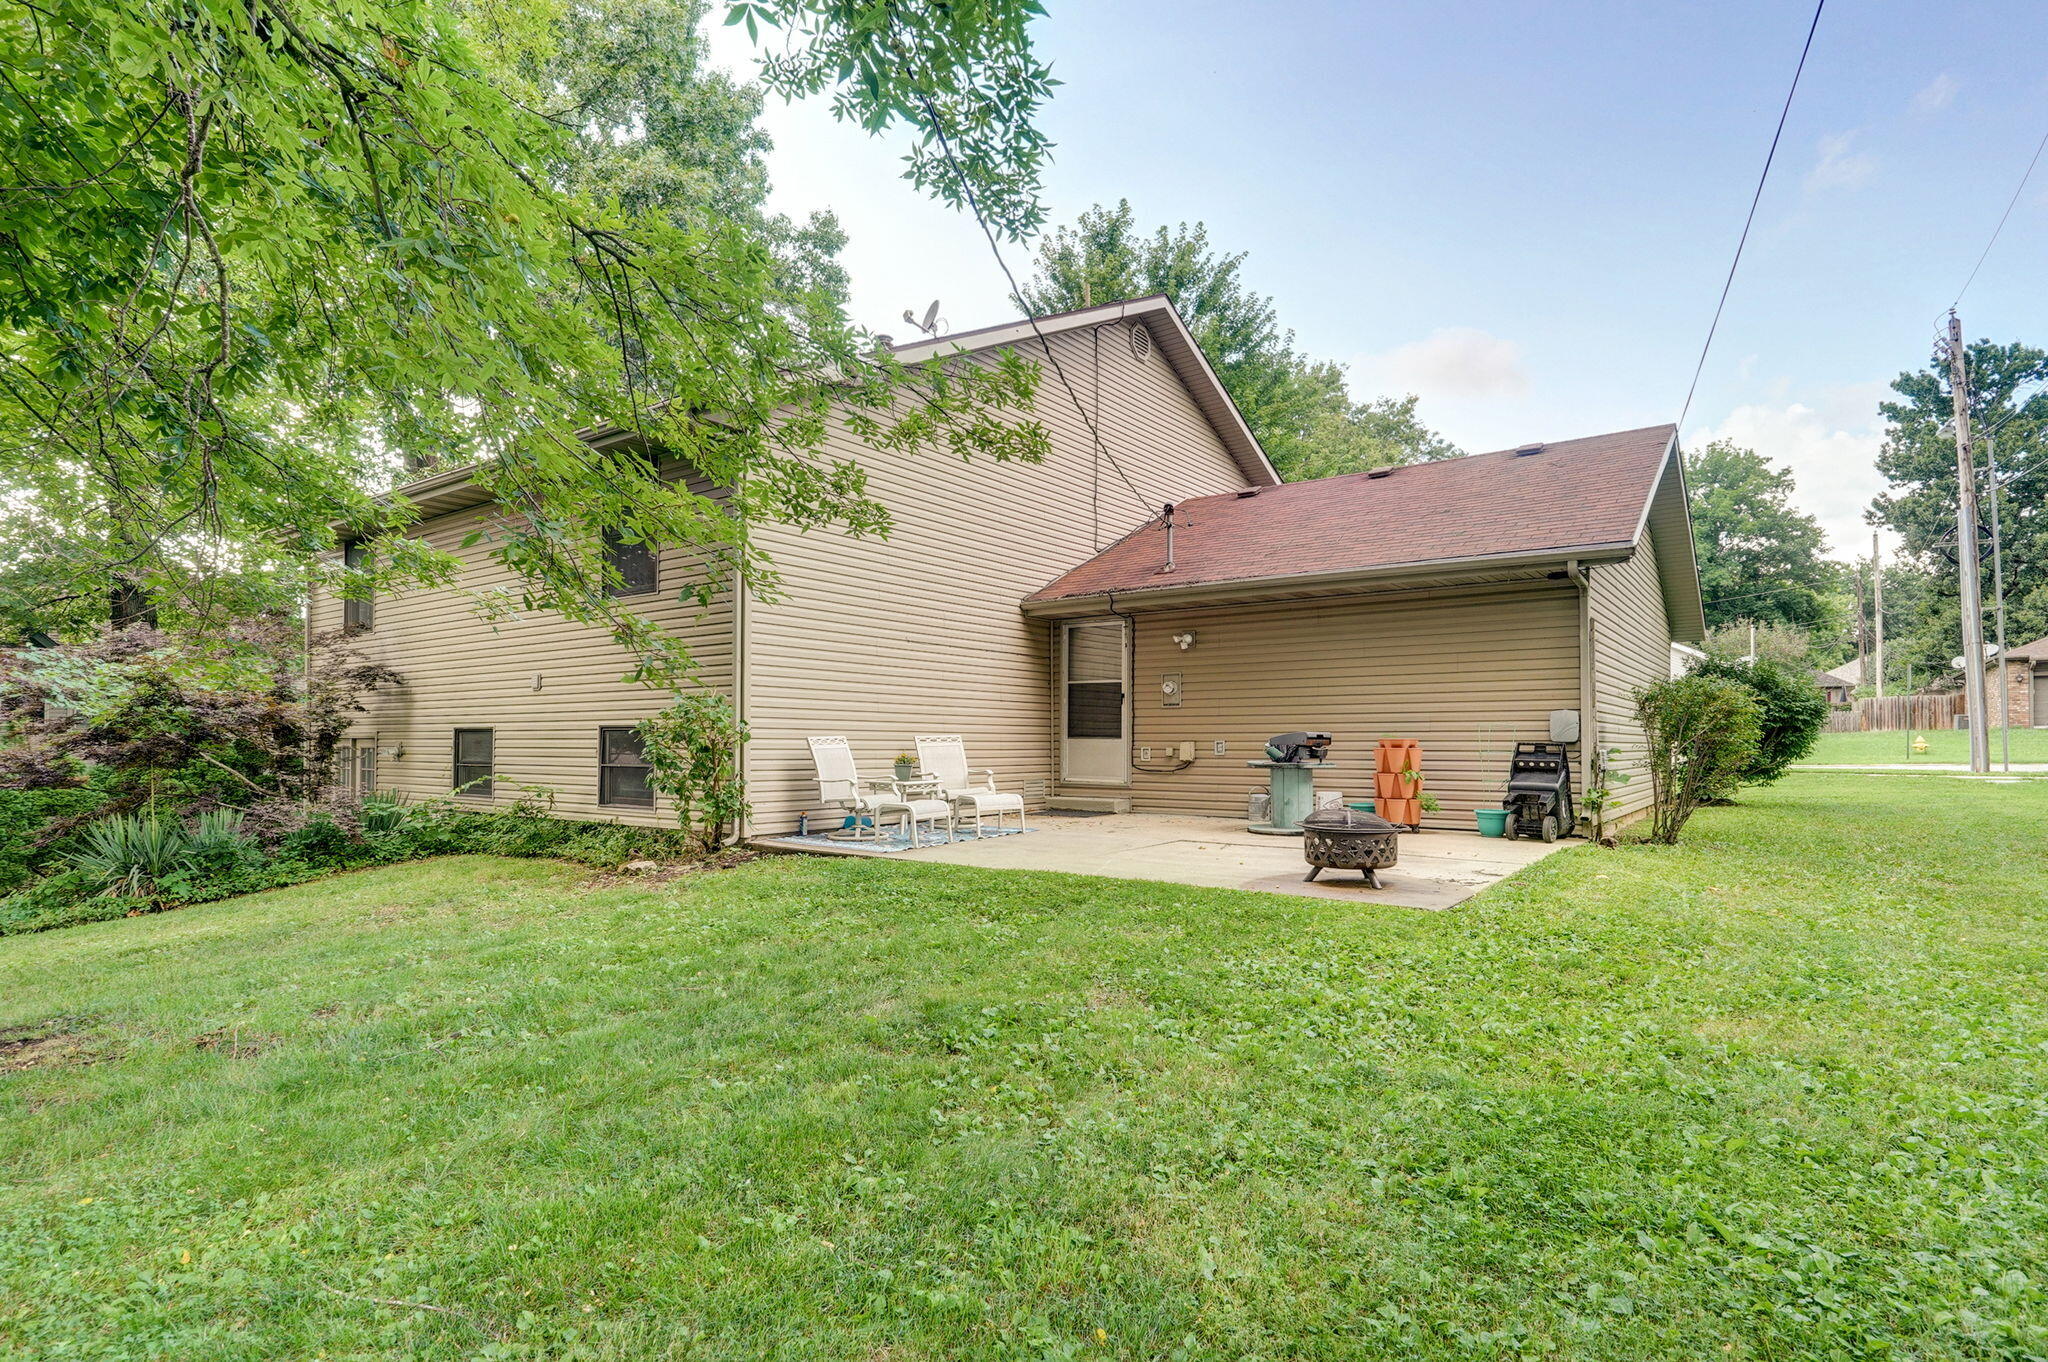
(881, 640)
(1466, 672)
(1631, 649)
(462, 671)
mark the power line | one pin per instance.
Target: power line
(1017, 295)
(1747, 222)
(2009, 204)
(1749, 595)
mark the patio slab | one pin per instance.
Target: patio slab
(1437, 869)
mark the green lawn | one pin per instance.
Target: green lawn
(1943, 745)
(1777, 1094)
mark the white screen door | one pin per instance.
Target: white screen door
(1095, 742)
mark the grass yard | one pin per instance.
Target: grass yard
(1943, 745)
(1782, 1093)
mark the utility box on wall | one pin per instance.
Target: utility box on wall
(1564, 725)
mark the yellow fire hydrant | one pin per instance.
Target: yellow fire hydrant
(1919, 746)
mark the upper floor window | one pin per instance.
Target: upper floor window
(474, 752)
(633, 561)
(357, 612)
(622, 769)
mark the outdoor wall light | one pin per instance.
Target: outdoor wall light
(1186, 641)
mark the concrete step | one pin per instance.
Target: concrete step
(1091, 803)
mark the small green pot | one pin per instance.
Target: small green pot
(906, 770)
(1492, 822)
(1362, 806)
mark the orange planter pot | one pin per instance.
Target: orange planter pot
(1406, 812)
(1387, 785)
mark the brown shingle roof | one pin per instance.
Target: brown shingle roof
(2037, 651)
(1570, 494)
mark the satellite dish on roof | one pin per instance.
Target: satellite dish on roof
(930, 324)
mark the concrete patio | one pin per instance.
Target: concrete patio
(1436, 870)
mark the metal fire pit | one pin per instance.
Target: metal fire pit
(1346, 839)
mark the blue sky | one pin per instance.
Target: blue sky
(1522, 212)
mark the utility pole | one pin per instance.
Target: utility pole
(1862, 636)
(1966, 550)
(1877, 608)
(1998, 606)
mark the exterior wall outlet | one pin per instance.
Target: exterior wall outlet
(1144, 754)
(1221, 748)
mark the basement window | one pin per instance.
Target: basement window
(633, 561)
(474, 751)
(622, 769)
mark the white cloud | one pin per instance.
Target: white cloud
(1450, 362)
(1935, 95)
(1831, 449)
(1839, 166)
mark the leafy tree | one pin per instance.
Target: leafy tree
(260, 254)
(1298, 408)
(1781, 643)
(1761, 558)
(1701, 733)
(247, 719)
(1919, 461)
(1791, 712)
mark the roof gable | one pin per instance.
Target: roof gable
(1170, 334)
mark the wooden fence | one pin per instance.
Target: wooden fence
(1896, 713)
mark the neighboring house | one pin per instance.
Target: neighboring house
(1840, 684)
(1032, 610)
(2026, 680)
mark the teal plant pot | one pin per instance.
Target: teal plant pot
(1492, 822)
(1362, 806)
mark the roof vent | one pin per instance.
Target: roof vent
(1524, 451)
(1141, 340)
(1386, 472)
(1247, 492)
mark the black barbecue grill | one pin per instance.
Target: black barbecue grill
(1539, 799)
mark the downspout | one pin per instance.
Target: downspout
(739, 690)
(1589, 728)
(1130, 679)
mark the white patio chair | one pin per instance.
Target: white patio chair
(870, 801)
(945, 758)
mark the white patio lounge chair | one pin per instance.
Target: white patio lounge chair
(968, 791)
(871, 801)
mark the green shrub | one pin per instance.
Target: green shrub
(131, 854)
(1791, 712)
(64, 899)
(24, 814)
(693, 757)
(383, 811)
(136, 863)
(1702, 733)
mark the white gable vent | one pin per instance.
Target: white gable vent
(1141, 340)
